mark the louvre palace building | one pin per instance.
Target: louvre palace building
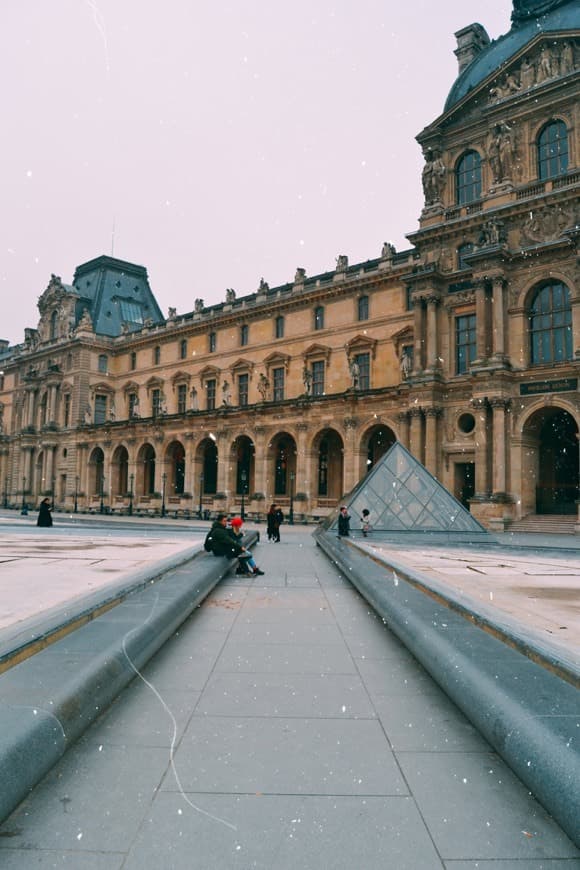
(465, 347)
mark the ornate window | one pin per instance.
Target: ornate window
(553, 150)
(550, 324)
(319, 317)
(468, 178)
(212, 342)
(363, 308)
(243, 386)
(210, 393)
(103, 364)
(53, 325)
(278, 377)
(363, 361)
(279, 327)
(183, 349)
(133, 404)
(156, 355)
(244, 334)
(133, 361)
(465, 342)
(66, 410)
(100, 408)
(155, 403)
(318, 378)
(181, 398)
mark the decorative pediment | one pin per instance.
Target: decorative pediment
(361, 343)
(180, 377)
(102, 387)
(242, 365)
(154, 384)
(131, 387)
(210, 372)
(277, 360)
(319, 351)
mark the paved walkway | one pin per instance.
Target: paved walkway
(283, 727)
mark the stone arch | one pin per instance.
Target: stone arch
(175, 468)
(120, 471)
(328, 460)
(282, 452)
(243, 465)
(207, 462)
(96, 472)
(375, 440)
(549, 460)
(146, 468)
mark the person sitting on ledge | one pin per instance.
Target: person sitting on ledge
(236, 524)
(220, 542)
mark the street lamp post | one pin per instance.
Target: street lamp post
(244, 478)
(131, 479)
(291, 514)
(200, 494)
(76, 505)
(164, 483)
(24, 510)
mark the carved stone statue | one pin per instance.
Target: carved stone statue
(546, 65)
(86, 321)
(263, 287)
(226, 395)
(388, 251)
(566, 58)
(88, 414)
(230, 295)
(136, 411)
(194, 399)
(406, 364)
(263, 386)
(492, 233)
(198, 306)
(307, 379)
(433, 177)
(354, 369)
(501, 152)
(527, 75)
(171, 313)
(300, 275)
(341, 263)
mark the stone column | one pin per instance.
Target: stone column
(481, 449)
(432, 334)
(431, 446)
(49, 466)
(415, 445)
(499, 316)
(27, 466)
(260, 459)
(403, 420)
(351, 464)
(499, 407)
(30, 409)
(83, 468)
(224, 458)
(303, 462)
(419, 337)
(51, 410)
(481, 349)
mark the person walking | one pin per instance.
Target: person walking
(343, 523)
(44, 513)
(278, 520)
(366, 522)
(270, 523)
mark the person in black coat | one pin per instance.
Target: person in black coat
(343, 523)
(220, 541)
(44, 513)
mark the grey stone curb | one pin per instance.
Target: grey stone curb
(528, 714)
(50, 699)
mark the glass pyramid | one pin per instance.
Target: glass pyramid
(403, 497)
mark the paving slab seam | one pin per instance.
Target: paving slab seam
(35, 732)
(509, 698)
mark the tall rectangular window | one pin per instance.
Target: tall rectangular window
(156, 355)
(155, 403)
(66, 415)
(363, 308)
(318, 378)
(244, 334)
(278, 378)
(183, 349)
(363, 361)
(212, 342)
(100, 409)
(319, 317)
(465, 342)
(210, 390)
(181, 398)
(279, 327)
(133, 361)
(133, 404)
(103, 363)
(243, 390)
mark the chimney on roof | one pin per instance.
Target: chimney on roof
(471, 40)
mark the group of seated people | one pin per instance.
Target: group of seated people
(224, 541)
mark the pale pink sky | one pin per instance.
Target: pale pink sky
(223, 141)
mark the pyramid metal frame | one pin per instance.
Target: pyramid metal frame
(404, 498)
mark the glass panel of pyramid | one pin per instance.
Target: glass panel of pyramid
(402, 496)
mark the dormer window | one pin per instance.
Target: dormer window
(468, 178)
(552, 150)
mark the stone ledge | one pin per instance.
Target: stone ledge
(527, 713)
